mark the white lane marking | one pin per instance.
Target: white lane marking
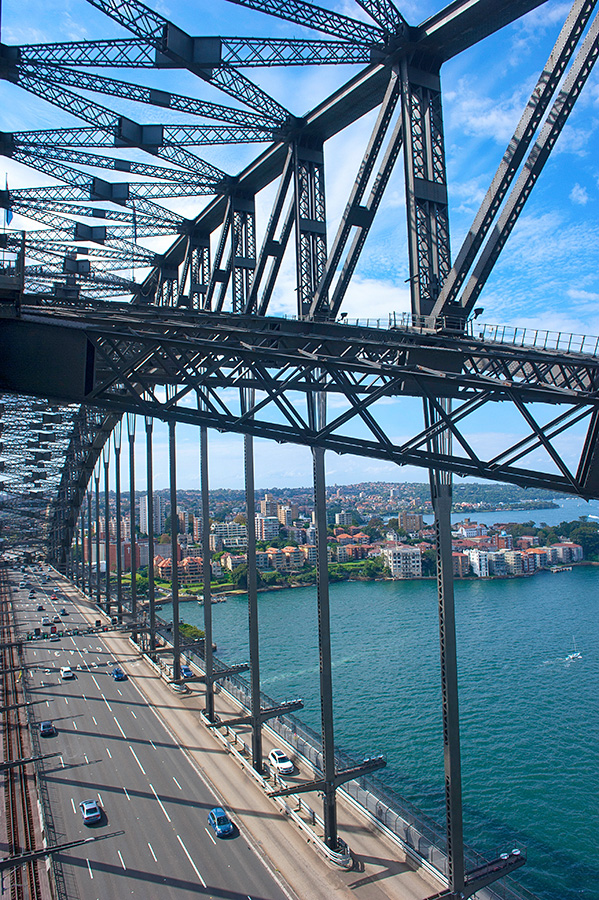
(160, 802)
(121, 859)
(75, 725)
(85, 758)
(177, 783)
(120, 692)
(62, 762)
(48, 704)
(152, 852)
(195, 868)
(127, 794)
(91, 874)
(133, 714)
(138, 762)
(101, 802)
(109, 753)
(95, 682)
(94, 720)
(209, 835)
(106, 702)
(84, 697)
(152, 742)
(73, 805)
(119, 727)
(66, 701)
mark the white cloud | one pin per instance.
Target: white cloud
(579, 195)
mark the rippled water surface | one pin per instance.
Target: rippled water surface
(529, 716)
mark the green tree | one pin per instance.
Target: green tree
(429, 562)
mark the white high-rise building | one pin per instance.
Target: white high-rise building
(143, 514)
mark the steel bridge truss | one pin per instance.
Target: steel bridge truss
(191, 339)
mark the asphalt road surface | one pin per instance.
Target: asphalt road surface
(155, 839)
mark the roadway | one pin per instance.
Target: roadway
(121, 743)
(115, 749)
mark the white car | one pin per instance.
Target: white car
(280, 762)
(66, 673)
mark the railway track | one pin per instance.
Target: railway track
(20, 795)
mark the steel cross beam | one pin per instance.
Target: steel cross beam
(119, 362)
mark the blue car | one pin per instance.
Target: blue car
(118, 674)
(220, 822)
(186, 672)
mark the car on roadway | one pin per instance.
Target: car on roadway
(280, 762)
(66, 673)
(47, 729)
(118, 674)
(46, 620)
(186, 672)
(220, 822)
(56, 619)
(40, 607)
(90, 811)
(63, 612)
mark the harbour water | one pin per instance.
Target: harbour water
(529, 715)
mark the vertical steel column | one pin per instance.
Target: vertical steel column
(89, 543)
(324, 648)
(310, 223)
(116, 436)
(76, 561)
(243, 249)
(206, 574)
(426, 185)
(172, 452)
(200, 269)
(441, 494)
(252, 586)
(150, 488)
(106, 459)
(97, 485)
(132, 541)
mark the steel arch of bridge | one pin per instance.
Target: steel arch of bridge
(198, 325)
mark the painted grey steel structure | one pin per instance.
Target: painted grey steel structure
(197, 324)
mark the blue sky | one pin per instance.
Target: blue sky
(548, 275)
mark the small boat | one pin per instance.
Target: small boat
(575, 654)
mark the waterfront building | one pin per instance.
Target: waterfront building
(308, 551)
(262, 560)
(403, 561)
(568, 552)
(294, 558)
(277, 559)
(461, 564)
(497, 563)
(513, 561)
(479, 561)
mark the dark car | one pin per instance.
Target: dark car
(63, 612)
(40, 607)
(118, 674)
(47, 729)
(220, 822)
